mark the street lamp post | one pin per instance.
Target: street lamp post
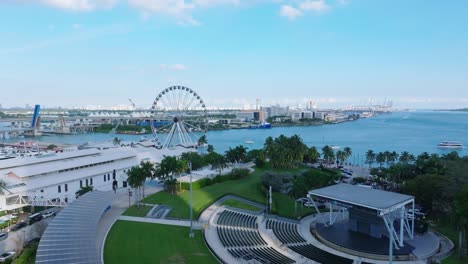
(129, 195)
(191, 200)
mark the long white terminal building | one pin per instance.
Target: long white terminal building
(53, 179)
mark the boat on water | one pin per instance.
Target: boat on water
(263, 125)
(334, 147)
(249, 142)
(450, 144)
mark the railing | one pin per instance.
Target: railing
(438, 257)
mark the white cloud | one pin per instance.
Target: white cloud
(176, 67)
(314, 5)
(181, 10)
(79, 5)
(343, 2)
(290, 12)
(77, 26)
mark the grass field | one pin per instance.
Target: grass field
(449, 230)
(248, 188)
(133, 242)
(239, 204)
(28, 255)
(135, 211)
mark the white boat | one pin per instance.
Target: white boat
(249, 142)
(450, 144)
(334, 147)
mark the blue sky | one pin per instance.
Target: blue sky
(335, 52)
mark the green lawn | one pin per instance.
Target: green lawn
(239, 204)
(248, 188)
(135, 211)
(449, 230)
(133, 242)
(28, 255)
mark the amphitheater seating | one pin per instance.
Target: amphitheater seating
(316, 254)
(234, 237)
(286, 232)
(265, 255)
(237, 219)
(239, 233)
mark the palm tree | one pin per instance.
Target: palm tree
(404, 157)
(202, 143)
(370, 157)
(328, 154)
(388, 157)
(134, 180)
(341, 156)
(210, 149)
(348, 152)
(148, 170)
(380, 158)
(241, 153)
(312, 155)
(219, 162)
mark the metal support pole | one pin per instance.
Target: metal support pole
(330, 204)
(270, 199)
(390, 250)
(412, 221)
(402, 225)
(191, 201)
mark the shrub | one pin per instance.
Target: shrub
(239, 173)
(260, 162)
(359, 180)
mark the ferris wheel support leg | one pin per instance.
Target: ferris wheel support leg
(169, 137)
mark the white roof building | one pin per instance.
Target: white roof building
(53, 179)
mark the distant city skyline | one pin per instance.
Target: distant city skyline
(337, 53)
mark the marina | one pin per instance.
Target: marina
(415, 131)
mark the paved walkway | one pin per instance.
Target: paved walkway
(118, 206)
(196, 224)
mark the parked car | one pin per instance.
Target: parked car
(34, 218)
(3, 236)
(48, 214)
(7, 255)
(18, 226)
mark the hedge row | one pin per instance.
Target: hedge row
(234, 175)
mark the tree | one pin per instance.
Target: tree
(380, 158)
(147, 172)
(210, 149)
(51, 147)
(348, 152)
(285, 152)
(341, 156)
(218, 161)
(312, 155)
(202, 143)
(167, 169)
(461, 210)
(83, 190)
(404, 157)
(370, 157)
(237, 154)
(328, 154)
(135, 175)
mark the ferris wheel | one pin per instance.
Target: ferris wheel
(179, 116)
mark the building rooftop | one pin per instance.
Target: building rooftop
(71, 236)
(64, 161)
(361, 196)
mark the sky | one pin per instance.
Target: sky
(334, 52)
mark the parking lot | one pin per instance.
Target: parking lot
(16, 239)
